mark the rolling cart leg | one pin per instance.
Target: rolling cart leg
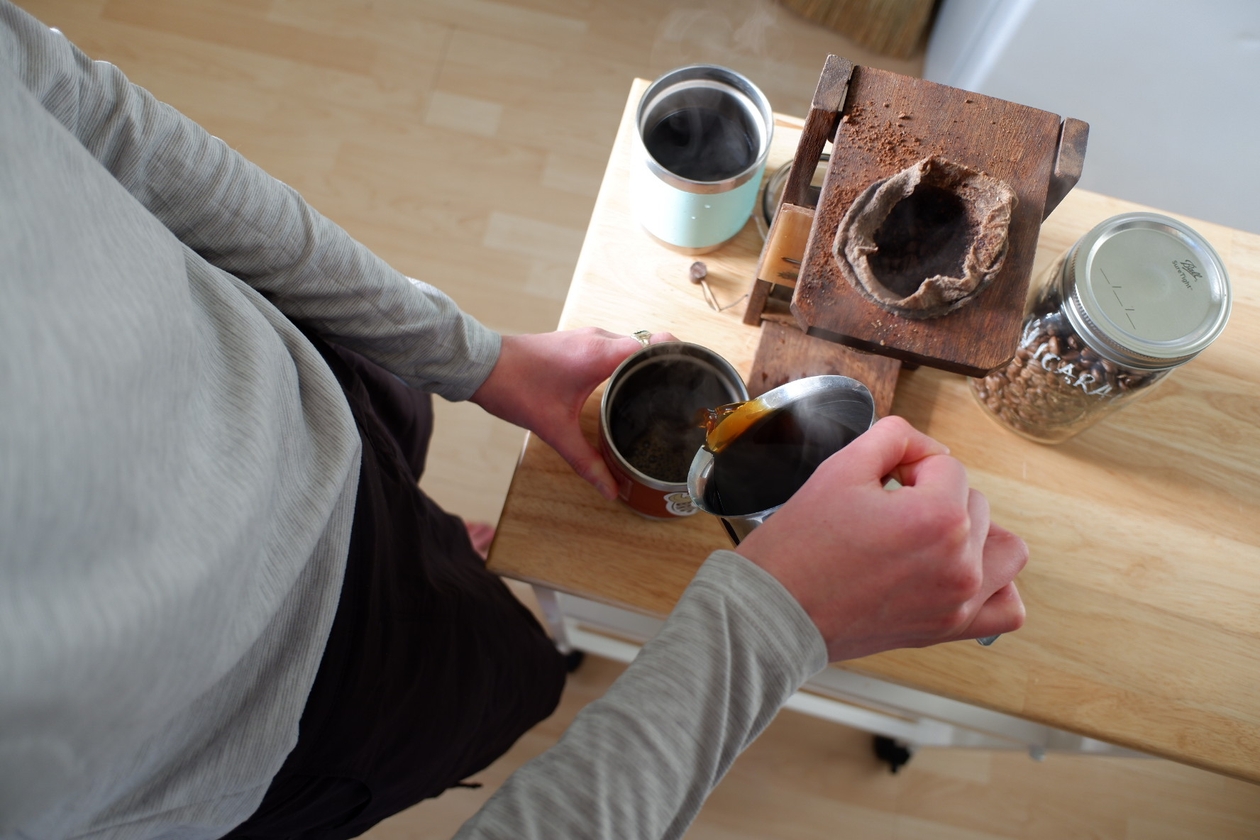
(550, 605)
(893, 753)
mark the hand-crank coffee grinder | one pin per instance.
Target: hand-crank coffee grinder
(921, 245)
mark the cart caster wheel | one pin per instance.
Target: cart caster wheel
(890, 752)
(573, 660)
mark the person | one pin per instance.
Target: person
(225, 606)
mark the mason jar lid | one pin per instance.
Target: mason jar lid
(1146, 291)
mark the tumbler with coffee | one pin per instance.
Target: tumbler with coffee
(704, 134)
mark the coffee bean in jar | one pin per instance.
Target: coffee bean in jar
(1136, 297)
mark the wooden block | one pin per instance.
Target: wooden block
(757, 299)
(785, 354)
(1068, 163)
(785, 245)
(820, 126)
(890, 122)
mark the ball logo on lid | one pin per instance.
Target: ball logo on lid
(1188, 271)
(1147, 290)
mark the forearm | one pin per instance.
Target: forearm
(639, 762)
(241, 220)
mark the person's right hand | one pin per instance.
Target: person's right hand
(879, 569)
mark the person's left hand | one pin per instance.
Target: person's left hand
(541, 382)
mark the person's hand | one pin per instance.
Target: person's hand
(542, 381)
(880, 569)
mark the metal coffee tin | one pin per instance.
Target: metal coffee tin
(1146, 291)
(647, 417)
(697, 215)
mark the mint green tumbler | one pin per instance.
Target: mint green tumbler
(704, 134)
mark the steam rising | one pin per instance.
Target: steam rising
(764, 466)
(652, 417)
(758, 38)
(706, 136)
(716, 32)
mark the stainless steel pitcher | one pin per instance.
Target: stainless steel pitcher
(827, 411)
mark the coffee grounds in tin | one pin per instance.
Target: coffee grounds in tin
(664, 452)
(653, 420)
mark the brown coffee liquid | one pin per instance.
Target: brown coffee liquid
(726, 422)
(762, 465)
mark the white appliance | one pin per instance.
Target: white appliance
(1170, 89)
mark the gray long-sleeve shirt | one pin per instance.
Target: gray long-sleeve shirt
(177, 477)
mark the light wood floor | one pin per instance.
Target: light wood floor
(464, 141)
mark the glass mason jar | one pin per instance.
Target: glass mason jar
(1137, 296)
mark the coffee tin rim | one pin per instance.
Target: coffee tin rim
(1089, 319)
(716, 75)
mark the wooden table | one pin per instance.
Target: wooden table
(1143, 588)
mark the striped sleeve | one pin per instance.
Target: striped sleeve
(242, 220)
(639, 762)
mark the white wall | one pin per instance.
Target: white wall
(1170, 88)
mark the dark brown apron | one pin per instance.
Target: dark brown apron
(432, 670)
